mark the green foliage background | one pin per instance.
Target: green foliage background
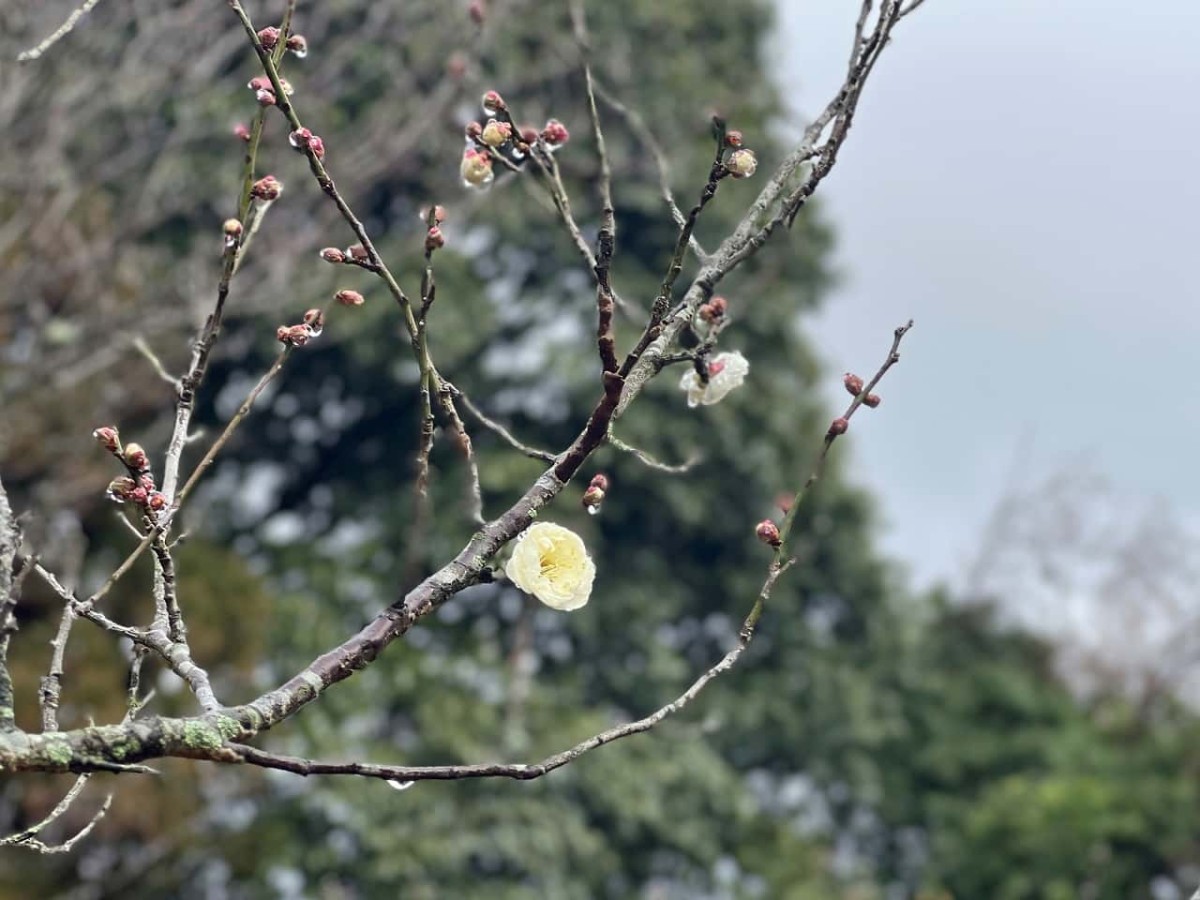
(872, 743)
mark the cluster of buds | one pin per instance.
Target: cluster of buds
(714, 310)
(433, 217)
(768, 532)
(311, 326)
(355, 255)
(854, 386)
(476, 168)
(264, 90)
(303, 139)
(267, 189)
(594, 495)
(137, 485)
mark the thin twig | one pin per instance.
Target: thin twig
(63, 30)
(504, 433)
(28, 838)
(10, 541)
(648, 460)
(160, 370)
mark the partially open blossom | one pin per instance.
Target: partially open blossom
(108, 438)
(493, 103)
(267, 188)
(768, 532)
(552, 563)
(333, 255)
(349, 298)
(853, 384)
(496, 134)
(476, 169)
(269, 37)
(297, 45)
(555, 134)
(725, 372)
(838, 426)
(741, 163)
(872, 400)
(135, 457)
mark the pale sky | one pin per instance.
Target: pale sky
(1022, 180)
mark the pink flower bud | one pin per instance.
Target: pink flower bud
(267, 188)
(592, 498)
(853, 384)
(315, 320)
(434, 239)
(260, 83)
(349, 298)
(119, 489)
(316, 146)
(555, 134)
(281, 334)
(358, 253)
(297, 45)
(741, 163)
(473, 131)
(838, 426)
(476, 168)
(496, 134)
(135, 457)
(477, 11)
(768, 532)
(139, 495)
(333, 255)
(295, 335)
(529, 134)
(300, 138)
(493, 103)
(714, 309)
(784, 502)
(108, 437)
(156, 501)
(269, 37)
(600, 480)
(872, 400)
(265, 97)
(241, 132)
(733, 138)
(146, 481)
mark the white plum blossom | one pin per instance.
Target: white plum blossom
(725, 372)
(552, 563)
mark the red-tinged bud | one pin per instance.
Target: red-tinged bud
(119, 489)
(333, 255)
(496, 134)
(853, 384)
(528, 134)
(741, 163)
(316, 146)
(281, 334)
(297, 45)
(555, 134)
(241, 132)
(600, 480)
(838, 426)
(146, 481)
(733, 138)
(139, 495)
(232, 228)
(135, 457)
(456, 66)
(768, 532)
(297, 335)
(784, 502)
(108, 437)
(358, 253)
(719, 305)
(349, 298)
(477, 11)
(473, 131)
(156, 501)
(434, 239)
(315, 320)
(300, 138)
(592, 498)
(872, 400)
(265, 97)
(269, 37)
(260, 83)
(267, 188)
(493, 103)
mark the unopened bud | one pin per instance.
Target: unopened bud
(108, 437)
(146, 481)
(838, 426)
(358, 253)
(265, 97)
(300, 138)
(496, 134)
(733, 138)
(156, 501)
(477, 11)
(872, 400)
(241, 132)
(135, 457)
(600, 480)
(260, 83)
(295, 335)
(315, 320)
(714, 309)
(434, 239)
(592, 498)
(528, 134)
(119, 489)
(853, 384)
(555, 134)
(269, 37)
(297, 45)
(139, 495)
(741, 163)
(316, 147)
(349, 298)
(333, 255)
(493, 103)
(473, 131)
(768, 532)
(476, 168)
(267, 188)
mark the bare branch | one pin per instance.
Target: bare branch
(61, 32)
(28, 838)
(10, 541)
(646, 459)
(504, 433)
